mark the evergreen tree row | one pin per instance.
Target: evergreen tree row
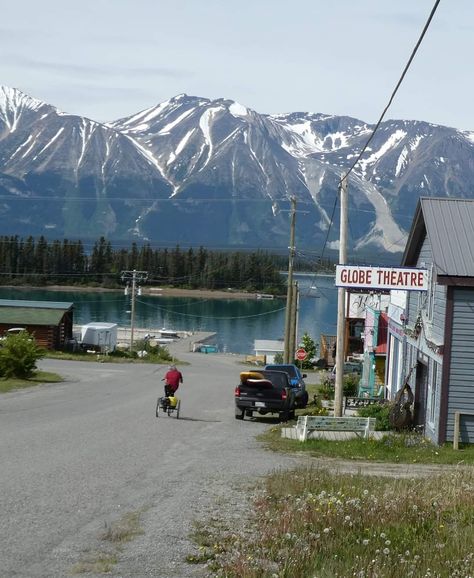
(41, 262)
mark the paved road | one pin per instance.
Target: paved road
(76, 457)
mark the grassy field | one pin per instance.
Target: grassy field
(315, 523)
(405, 448)
(36, 379)
(311, 523)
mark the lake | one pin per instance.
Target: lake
(236, 322)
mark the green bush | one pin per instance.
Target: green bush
(315, 407)
(18, 355)
(326, 388)
(350, 386)
(278, 358)
(381, 413)
(119, 353)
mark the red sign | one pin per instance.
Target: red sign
(301, 354)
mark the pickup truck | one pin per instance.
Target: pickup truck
(296, 381)
(264, 392)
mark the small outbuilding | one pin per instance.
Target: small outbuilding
(100, 336)
(50, 322)
(268, 348)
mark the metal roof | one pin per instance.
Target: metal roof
(449, 225)
(36, 304)
(20, 316)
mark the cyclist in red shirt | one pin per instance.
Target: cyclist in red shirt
(172, 380)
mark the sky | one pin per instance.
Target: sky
(109, 59)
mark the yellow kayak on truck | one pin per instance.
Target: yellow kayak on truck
(245, 375)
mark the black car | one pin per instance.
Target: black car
(296, 380)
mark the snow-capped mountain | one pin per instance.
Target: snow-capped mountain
(213, 172)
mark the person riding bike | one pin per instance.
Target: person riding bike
(172, 380)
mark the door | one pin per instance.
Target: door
(421, 388)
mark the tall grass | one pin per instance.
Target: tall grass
(311, 523)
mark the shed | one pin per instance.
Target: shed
(99, 335)
(439, 323)
(269, 348)
(50, 322)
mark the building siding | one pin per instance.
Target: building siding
(461, 374)
(433, 315)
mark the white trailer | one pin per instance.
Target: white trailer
(99, 335)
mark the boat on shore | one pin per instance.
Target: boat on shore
(169, 334)
(265, 296)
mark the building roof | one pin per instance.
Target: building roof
(64, 305)
(449, 225)
(268, 345)
(21, 316)
(22, 312)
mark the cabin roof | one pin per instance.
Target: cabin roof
(30, 316)
(23, 312)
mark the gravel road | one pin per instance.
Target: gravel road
(78, 456)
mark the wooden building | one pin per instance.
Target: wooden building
(439, 323)
(50, 322)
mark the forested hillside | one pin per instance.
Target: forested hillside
(41, 262)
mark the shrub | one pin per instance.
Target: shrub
(315, 407)
(278, 358)
(326, 388)
(350, 386)
(381, 413)
(18, 355)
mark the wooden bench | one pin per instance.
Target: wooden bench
(309, 423)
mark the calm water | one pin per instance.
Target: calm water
(236, 322)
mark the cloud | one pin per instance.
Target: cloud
(87, 70)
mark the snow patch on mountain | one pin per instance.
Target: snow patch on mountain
(167, 129)
(23, 144)
(49, 143)
(152, 160)
(392, 141)
(205, 125)
(181, 145)
(237, 110)
(469, 135)
(13, 103)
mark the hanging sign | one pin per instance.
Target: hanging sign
(386, 278)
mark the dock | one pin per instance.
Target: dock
(185, 341)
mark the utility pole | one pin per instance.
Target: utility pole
(289, 294)
(341, 310)
(294, 319)
(136, 277)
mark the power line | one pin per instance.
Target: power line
(400, 80)
(211, 316)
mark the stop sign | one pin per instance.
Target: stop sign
(301, 354)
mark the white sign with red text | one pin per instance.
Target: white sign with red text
(406, 279)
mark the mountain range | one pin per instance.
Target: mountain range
(194, 171)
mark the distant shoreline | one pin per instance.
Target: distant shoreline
(151, 291)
